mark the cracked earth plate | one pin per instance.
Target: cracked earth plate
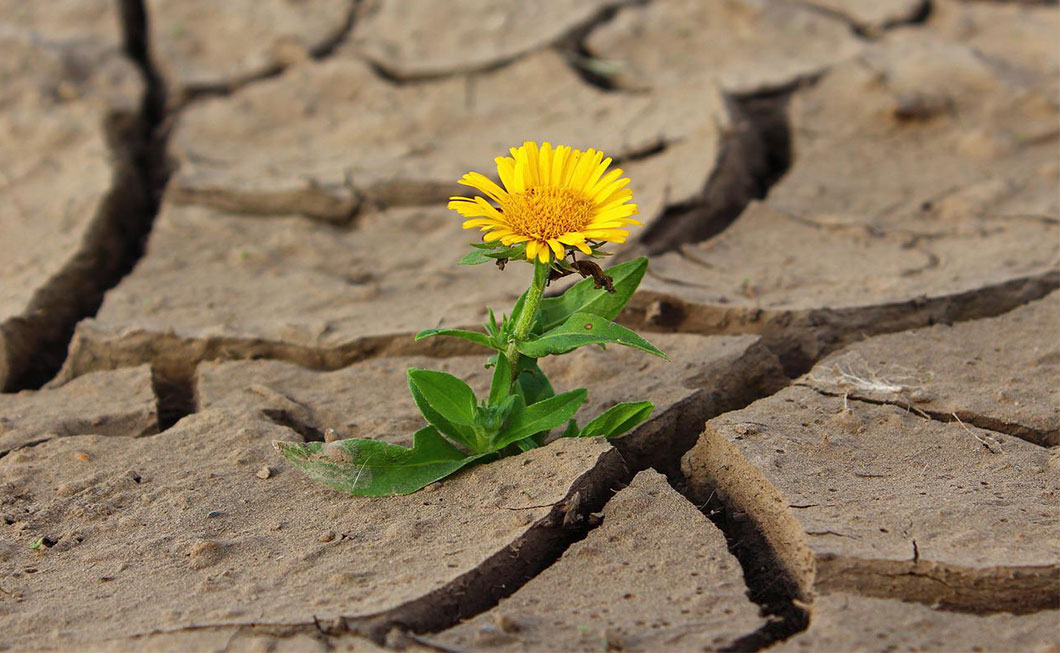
(880, 500)
(998, 373)
(148, 522)
(119, 402)
(201, 46)
(655, 575)
(68, 196)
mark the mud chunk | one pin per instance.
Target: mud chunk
(847, 622)
(963, 372)
(204, 553)
(403, 38)
(654, 574)
(452, 531)
(910, 508)
(203, 46)
(118, 402)
(70, 197)
(745, 46)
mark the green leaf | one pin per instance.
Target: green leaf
(492, 327)
(476, 257)
(571, 431)
(473, 336)
(617, 420)
(526, 444)
(532, 381)
(501, 384)
(541, 416)
(584, 297)
(517, 309)
(373, 468)
(513, 252)
(584, 329)
(446, 402)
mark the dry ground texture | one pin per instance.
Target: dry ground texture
(222, 222)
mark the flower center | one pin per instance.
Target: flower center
(545, 212)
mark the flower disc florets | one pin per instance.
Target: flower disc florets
(553, 198)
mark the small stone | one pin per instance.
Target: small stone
(397, 640)
(264, 472)
(506, 624)
(849, 421)
(213, 514)
(327, 537)
(203, 553)
(490, 635)
(612, 640)
(82, 456)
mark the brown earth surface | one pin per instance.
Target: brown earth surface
(223, 223)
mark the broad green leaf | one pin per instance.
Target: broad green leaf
(517, 310)
(571, 431)
(492, 327)
(476, 257)
(473, 336)
(446, 402)
(501, 384)
(617, 419)
(373, 468)
(513, 252)
(532, 381)
(542, 416)
(584, 297)
(526, 444)
(584, 329)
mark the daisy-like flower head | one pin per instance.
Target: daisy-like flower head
(553, 198)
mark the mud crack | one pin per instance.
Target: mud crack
(1034, 436)
(755, 155)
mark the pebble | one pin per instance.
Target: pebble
(264, 472)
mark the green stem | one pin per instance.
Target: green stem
(529, 313)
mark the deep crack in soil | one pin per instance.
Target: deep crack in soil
(755, 155)
(117, 238)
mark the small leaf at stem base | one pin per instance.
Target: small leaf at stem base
(373, 468)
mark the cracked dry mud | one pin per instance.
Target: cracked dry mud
(223, 223)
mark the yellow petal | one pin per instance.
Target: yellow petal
(543, 254)
(532, 165)
(606, 234)
(532, 248)
(595, 175)
(557, 249)
(480, 222)
(585, 167)
(619, 212)
(483, 183)
(604, 182)
(544, 162)
(568, 168)
(506, 171)
(519, 177)
(559, 163)
(605, 194)
(619, 198)
(514, 239)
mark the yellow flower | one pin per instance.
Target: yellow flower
(552, 198)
